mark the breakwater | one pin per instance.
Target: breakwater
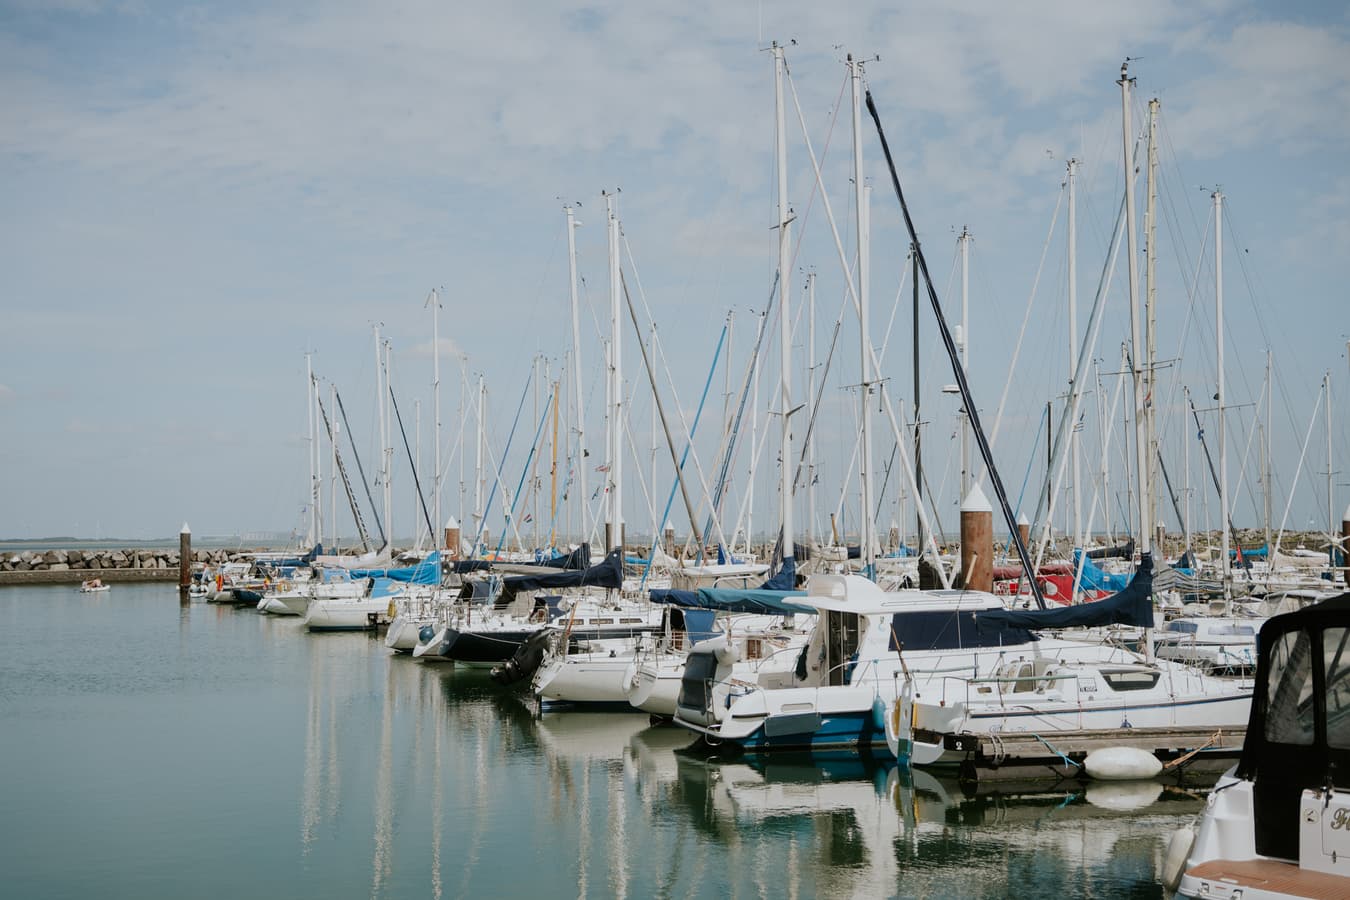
(74, 566)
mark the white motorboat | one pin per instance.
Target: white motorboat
(93, 586)
(1278, 824)
(1220, 645)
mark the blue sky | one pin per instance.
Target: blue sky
(194, 195)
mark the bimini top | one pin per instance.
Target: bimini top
(1298, 736)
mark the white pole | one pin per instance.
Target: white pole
(572, 225)
(1270, 390)
(480, 514)
(964, 241)
(436, 412)
(388, 445)
(1331, 519)
(332, 463)
(1185, 430)
(1218, 340)
(616, 380)
(379, 411)
(417, 471)
(811, 399)
(784, 311)
(1136, 340)
(311, 450)
(1078, 538)
(864, 338)
(1149, 486)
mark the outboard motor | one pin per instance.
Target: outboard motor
(526, 659)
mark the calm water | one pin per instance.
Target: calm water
(148, 750)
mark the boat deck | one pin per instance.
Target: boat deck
(1269, 877)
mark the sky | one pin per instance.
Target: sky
(197, 194)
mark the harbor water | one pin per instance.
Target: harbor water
(150, 750)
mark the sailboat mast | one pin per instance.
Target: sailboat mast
(1136, 342)
(1331, 520)
(480, 514)
(1270, 390)
(615, 474)
(1149, 485)
(436, 404)
(388, 443)
(1073, 348)
(332, 465)
(811, 398)
(1218, 341)
(864, 337)
(572, 225)
(964, 346)
(784, 310)
(311, 450)
(919, 536)
(1186, 392)
(379, 412)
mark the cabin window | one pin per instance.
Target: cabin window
(1185, 627)
(630, 621)
(754, 648)
(942, 630)
(1131, 679)
(1336, 656)
(1289, 691)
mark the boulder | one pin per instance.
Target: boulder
(59, 567)
(119, 559)
(22, 566)
(54, 556)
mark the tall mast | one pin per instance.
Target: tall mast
(811, 399)
(785, 467)
(1185, 429)
(1331, 519)
(572, 225)
(480, 514)
(1270, 389)
(333, 464)
(311, 450)
(379, 411)
(1218, 340)
(1078, 538)
(964, 241)
(615, 381)
(417, 473)
(918, 442)
(436, 404)
(1149, 486)
(864, 337)
(1136, 342)
(388, 444)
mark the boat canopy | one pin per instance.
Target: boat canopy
(766, 599)
(1094, 579)
(1120, 551)
(428, 571)
(1131, 606)
(608, 573)
(1298, 735)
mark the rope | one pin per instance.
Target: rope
(1055, 750)
(1209, 743)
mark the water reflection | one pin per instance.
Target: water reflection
(338, 770)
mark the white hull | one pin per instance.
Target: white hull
(343, 615)
(590, 679)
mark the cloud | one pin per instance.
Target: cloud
(6, 393)
(450, 350)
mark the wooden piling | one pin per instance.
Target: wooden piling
(452, 541)
(1345, 545)
(184, 561)
(977, 541)
(1024, 529)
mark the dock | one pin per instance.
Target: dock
(1186, 752)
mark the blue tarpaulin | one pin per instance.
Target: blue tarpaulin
(428, 571)
(1094, 579)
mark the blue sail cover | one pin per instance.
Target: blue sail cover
(748, 600)
(607, 574)
(428, 571)
(1094, 579)
(785, 579)
(1132, 606)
